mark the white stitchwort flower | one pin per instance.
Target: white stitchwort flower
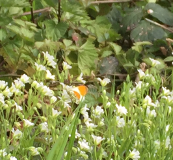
(25, 79)
(17, 134)
(168, 143)
(135, 155)
(44, 127)
(27, 123)
(66, 66)
(84, 145)
(97, 139)
(104, 82)
(49, 75)
(3, 84)
(151, 113)
(7, 92)
(141, 73)
(53, 99)
(13, 158)
(3, 152)
(154, 62)
(35, 151)
(50, 59)
(80, 79)
(121, 110)
(40, 67)
(120, 122)
(98, 111)
(55, 113)
(2, 98)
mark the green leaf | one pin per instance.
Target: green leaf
(73, 11)
(168, 59)
(58, 148)
(162, 14)
(14, 3)
(132, 18)
(115, 47)
(147, 32)
(67, 42)
(114, 16)
(3, 34)
(87, 57)
(138, 45)
(109, 65)
(55, 31)
(106, 53)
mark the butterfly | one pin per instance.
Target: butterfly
(80, 92)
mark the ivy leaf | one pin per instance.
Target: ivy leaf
(162, 14)
(147, 32)
(133, 18)
(87, 57)
(55, 31)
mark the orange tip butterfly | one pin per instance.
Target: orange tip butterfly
(80, 91)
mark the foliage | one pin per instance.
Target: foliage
(54, 43)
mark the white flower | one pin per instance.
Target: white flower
(104, 82)
(157, 144)
(17, 134)
(141, 73)
(27, 123)
(7, 92)
(135, 155)
(55, 113)
(44, 127)
(84, 145)
(35, 84)
(167, 128)
(98, 111)
(122, 110)
(166, 92)
(97, 139)
(13, 158)
(2, 98)
(84, 109)
(46, 91)
(108, 104)
(3, 153)
(80, 79)
(167, 143)
(35, 151)
(15, 90)
(49, 75)
(154, 62)
(3, 84)
(90, 126)
(18, 108)
(40, 67)
(25, 79)
(169, 109)
(77, 135)
(18, 84)
(49, 59)
(66, 66)
(151, 113)
(147, 101)
(53, 99)
(120, 122)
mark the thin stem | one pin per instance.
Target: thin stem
(160, 25)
